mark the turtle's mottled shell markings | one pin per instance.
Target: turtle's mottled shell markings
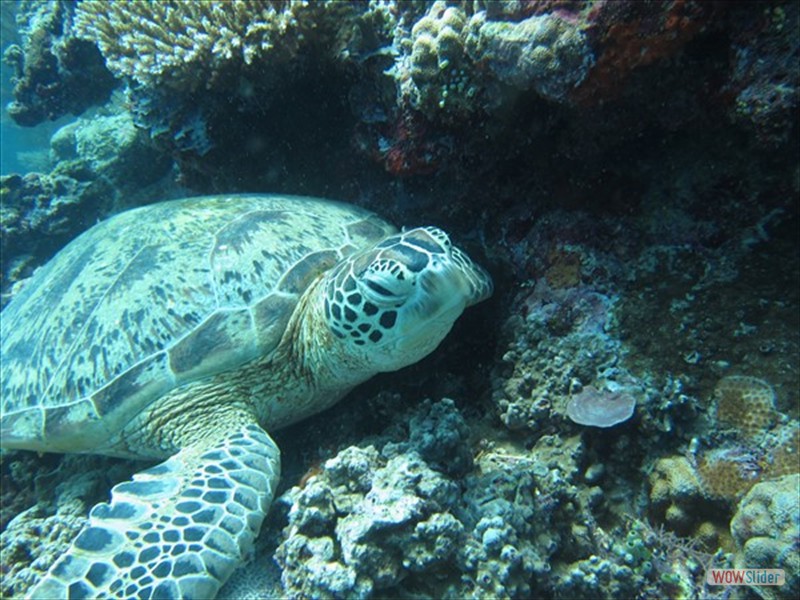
(157, 297)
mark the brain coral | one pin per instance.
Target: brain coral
(183, 43)
(766, 528)
(746, 404)
(458, 59)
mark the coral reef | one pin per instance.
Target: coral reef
(377, 517)
(766, 528)
(560, 355)
(56, 74)
(432, 64)
(545, 53)
(185, 45)
(386, 521)
(676, 494)
(637, 561)
(438, 72)
(746, 404)
(629, 172)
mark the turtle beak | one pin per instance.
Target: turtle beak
(450, 286)
(475, 280)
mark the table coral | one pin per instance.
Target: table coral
(600, 408)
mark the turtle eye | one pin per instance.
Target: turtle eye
(386, 282)
(378, 288)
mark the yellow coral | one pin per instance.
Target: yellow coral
(675, 491)
(437, 42)
(746, 404)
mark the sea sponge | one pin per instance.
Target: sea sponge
(746, 404)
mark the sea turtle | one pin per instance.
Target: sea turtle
(186, 330)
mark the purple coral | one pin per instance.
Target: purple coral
(600, 408)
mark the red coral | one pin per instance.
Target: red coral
(406, 146)
(628, 35)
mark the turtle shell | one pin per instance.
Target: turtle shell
(158, 297)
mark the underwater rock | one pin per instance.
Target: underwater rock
(764, 74)
(112, 148)
(384, 521)
(39, 214)
(766, 528)
(439, 433)
(357, 526)
(628, 36)
(55, 74)
(561, 344)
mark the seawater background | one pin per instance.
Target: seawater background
(23, 149)
(644, 246)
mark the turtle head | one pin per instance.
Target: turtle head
(391, 305)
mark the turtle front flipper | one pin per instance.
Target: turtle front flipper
(178, 530)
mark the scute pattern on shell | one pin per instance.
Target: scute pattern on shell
(160, 296)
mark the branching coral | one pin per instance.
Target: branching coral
(182, 44)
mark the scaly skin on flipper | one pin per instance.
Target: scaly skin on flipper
(178, 530)
(185, 331)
